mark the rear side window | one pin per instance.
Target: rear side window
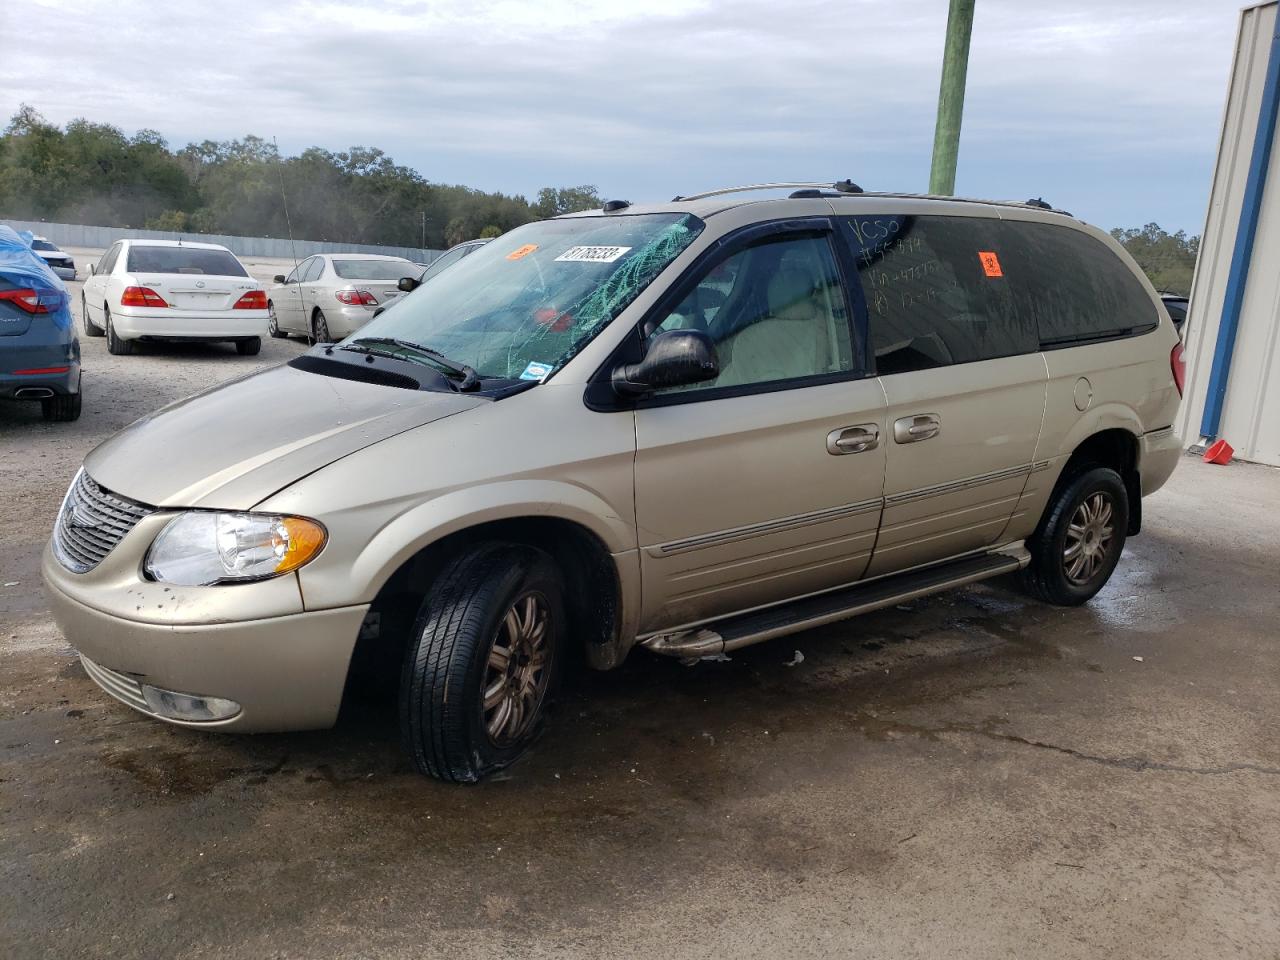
(194, 260)
(938, 291)
(374, 269)
(1079, 289)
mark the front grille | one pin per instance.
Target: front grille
(121, 686)
(91, 522)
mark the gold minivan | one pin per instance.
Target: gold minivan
(691, 427)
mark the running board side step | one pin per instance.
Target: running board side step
(745, 629)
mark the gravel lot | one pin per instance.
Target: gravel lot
(974, 775)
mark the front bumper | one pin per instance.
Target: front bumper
(285, 672)
(173, 324)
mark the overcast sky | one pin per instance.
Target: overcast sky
(1109, 109)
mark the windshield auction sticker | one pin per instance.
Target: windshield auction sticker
(990, 263)
(536, 371)
(524, 251)
(592, 254)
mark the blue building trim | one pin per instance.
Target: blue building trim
(1237, 280)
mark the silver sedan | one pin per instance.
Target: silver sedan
(331, 295)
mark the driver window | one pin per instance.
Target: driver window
(776, 311)
(292, 275)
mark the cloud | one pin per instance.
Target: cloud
(1112, 109)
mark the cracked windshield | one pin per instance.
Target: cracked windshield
(522, 305)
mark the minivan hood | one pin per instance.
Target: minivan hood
(237, 444)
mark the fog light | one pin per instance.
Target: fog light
(183, 706)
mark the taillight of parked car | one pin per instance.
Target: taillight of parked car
(253, 300)
(357, 297)
(30, 301)
(1179, 366)
(141, 297)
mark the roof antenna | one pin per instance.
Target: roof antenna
(284, 202)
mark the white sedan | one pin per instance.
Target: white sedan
(172, 290)
(332, 295)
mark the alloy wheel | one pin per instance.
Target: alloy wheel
(1089, 537)
(516, 673)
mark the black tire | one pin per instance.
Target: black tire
(116, 346)
(320, 328)
(62, 408)
(273, 324)
(451, 657)
(1069, 580)
(249, 348)
(90, 328)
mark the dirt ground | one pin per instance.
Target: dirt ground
(975, 775)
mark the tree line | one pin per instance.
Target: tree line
(94, 173)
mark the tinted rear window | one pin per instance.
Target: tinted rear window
(217, 263)
(375, 269)
(1079, 290)
(937, 292)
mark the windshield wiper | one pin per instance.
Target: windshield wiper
(469, 378)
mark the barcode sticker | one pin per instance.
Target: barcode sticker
(592, 254)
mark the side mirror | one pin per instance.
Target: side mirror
(408, 284)
(278, 278)
(676, 358)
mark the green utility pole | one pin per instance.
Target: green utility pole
(955, 67)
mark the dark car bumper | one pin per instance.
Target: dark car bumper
(39, 362)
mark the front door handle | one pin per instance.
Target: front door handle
(922, 426)
(864, 436)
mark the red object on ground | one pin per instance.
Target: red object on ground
(1219, 452)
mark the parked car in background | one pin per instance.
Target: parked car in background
(59, 261)
(172, 290)
(449, 258)
(39, 351)
(1178, 306)
(690, 427)
(331, 295)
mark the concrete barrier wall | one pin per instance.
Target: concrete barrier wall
(82, 235)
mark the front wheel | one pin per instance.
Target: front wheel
(1080, 539)
(91, 329)
(273, 323)
(481, 662)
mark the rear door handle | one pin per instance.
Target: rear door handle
(864, 436)
(913, 429)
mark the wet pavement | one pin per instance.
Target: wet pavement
(971, 775)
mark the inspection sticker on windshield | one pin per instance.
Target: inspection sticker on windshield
(536, 371)
(524, 251)
(592, 254)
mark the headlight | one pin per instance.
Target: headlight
(198, 548)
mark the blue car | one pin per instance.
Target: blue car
(39, 350)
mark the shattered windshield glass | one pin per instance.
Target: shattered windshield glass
(524, 304)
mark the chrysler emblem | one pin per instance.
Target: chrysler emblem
(80, 518)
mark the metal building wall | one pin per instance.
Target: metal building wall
(1251, 410)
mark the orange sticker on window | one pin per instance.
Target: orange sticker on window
(990, 263)
(524, 251)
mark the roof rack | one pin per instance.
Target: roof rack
(840, 186)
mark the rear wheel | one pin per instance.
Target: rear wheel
(1080, 539)
(121, 348)
(62, 408)
(90, 328)
(320, 328)
(482, 661)
(249, 348)
(273, 323)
